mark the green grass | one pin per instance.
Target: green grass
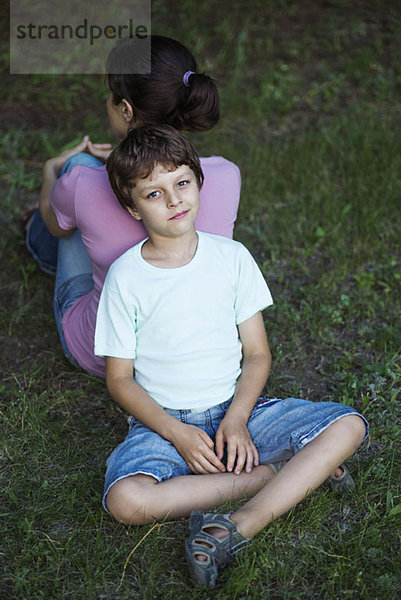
(311, 113)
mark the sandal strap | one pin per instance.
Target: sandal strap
(239, 546)
(200, 521)
(230, 544)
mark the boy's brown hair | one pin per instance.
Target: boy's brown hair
(141, 151)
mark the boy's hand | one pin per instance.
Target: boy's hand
(241, 451)
(197, 449)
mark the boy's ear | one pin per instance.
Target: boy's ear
(134, 213)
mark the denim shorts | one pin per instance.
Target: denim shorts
(278, 428)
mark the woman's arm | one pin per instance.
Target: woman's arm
(51, 172)
(192, 443)
(49, 178)
(233, 430)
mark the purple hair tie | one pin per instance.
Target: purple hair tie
(187, 75)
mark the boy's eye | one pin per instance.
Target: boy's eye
(182, 183)
(152, 195)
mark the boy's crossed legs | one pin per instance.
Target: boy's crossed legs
(140, 499)
(322, 436)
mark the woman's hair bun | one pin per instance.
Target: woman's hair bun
(162, 96)
(200, 108)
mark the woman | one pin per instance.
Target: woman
(78, 206)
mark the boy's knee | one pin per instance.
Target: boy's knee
(356, 427)
(126, 501)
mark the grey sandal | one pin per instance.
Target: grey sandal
(216, 553)
(344, 483)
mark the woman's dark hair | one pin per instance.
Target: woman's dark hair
(143, 149)
(161, 97)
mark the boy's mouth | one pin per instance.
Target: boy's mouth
(179, 216)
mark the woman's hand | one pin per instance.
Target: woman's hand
(197, 449)
(57, 163)
(241, 451)
(100, 151)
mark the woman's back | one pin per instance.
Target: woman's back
(84, 199)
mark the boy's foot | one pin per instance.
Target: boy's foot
(213, 540)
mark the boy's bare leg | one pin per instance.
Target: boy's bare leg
(141, 499)
(303, 473)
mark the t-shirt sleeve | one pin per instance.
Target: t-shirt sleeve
(62, 199)
(115, 323)
(252, 292)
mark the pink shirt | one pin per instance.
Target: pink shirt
(84, 199)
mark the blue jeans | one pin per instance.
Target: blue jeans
(67, 257)
(278, 428)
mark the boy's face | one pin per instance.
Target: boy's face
(167, 201)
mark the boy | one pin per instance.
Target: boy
(185, 309)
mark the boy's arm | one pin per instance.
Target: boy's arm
(233, 430)
(192, 443)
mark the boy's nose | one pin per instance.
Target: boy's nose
(173, 199)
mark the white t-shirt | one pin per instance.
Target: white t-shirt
(180, 325)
